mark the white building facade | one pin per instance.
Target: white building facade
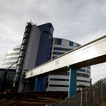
(60, 81)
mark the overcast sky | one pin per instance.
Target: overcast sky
(78, 20)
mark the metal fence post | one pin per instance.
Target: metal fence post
(101, 90)
(81, 96)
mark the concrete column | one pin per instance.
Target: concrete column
(72, 81)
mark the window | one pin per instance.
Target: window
(70, 43)
(59, 41)
(82, 70)
(83, 75)
(54, 79)
(57, 53)
(58, 85)
(82, 81)
(62, 49)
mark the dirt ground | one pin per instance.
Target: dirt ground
(37, 99)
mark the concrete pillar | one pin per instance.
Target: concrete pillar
(72, 81)
(38, 83)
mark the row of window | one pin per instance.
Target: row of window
(83, 70)
(83, 75)
(57, 53)
(58, 85)
(63, 86)
(54, 79)
(9, 54)
(62, 49)
(58, 41)
(82, 81)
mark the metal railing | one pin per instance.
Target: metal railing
(89, 97)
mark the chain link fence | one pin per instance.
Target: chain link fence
(89, 97)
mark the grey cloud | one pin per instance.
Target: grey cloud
(78, 20)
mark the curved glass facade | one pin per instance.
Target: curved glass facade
(11, 57)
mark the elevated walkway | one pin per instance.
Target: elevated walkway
(89, 54)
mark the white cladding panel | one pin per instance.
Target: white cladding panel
(58, 89)
(59, 82)
(32, 49)
(91, 50)
(65, 42)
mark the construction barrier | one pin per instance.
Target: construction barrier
(89, 97)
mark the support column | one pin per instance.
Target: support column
(38, 83)
(72, 81)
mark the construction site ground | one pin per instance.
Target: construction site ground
(102, 102)
(35, 99)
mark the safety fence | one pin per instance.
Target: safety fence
(89, 97)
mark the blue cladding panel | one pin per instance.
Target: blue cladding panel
(44, 53)
(45, 46)
(38, 84)
(46, 27)
(44, 83)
